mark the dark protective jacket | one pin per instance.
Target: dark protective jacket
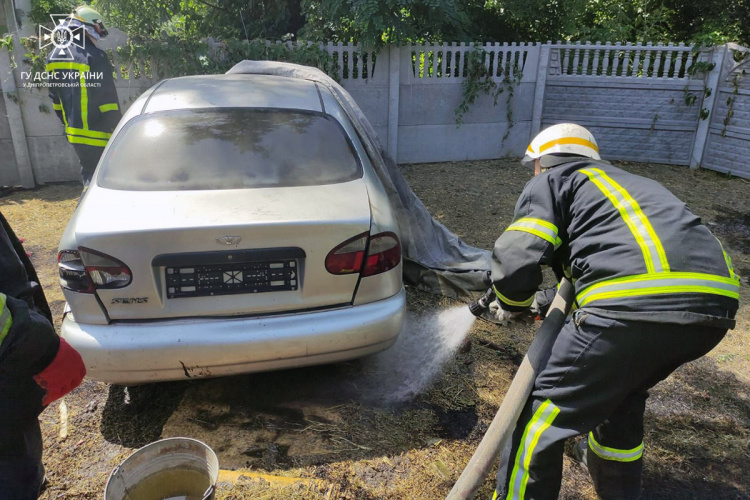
(84, 96)
(28, 343)
(633, 249)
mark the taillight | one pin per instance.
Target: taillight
(72, 272)
(86, 270)
(383, 255)
(349, 257)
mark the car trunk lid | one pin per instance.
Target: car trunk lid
(224, 253)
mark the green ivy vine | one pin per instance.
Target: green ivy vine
(478, 78)
(6, 42)
(698, 67)
(35, 58)
(730, 100)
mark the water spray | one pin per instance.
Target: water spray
(502, 425)
(429, 341)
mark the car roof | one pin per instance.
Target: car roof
(236, 90)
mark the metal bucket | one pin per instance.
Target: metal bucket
(170, 469)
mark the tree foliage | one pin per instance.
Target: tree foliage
(702, 21)
(376, 22)
(41, 10)
(185, 19)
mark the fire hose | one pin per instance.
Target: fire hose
(520, 388)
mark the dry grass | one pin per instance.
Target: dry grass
(315, 422)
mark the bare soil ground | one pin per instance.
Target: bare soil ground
(323, 422)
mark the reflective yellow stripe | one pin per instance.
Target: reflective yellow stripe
(728, 260)
(109, 107)
(65, 118)
(57, 106)
(566, 140)
(87, 133)
(613, 453)
(540, 422)
(6, 320)
(525, 303)
(658, 284)
(634, 218)
(80, 67)
(538, 227)
(494, 496)
(84, 102)
(556, 242)
(74, 139)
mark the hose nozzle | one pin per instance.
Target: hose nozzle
(481, 305)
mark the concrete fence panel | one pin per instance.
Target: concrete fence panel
(728, 143)
(432, 79)
(8, 167)
(365, 75)
(643, 102)
(636, 99)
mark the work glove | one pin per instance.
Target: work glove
(535, 309)
(62, 375)
(500, 315)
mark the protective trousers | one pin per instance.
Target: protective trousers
(21, 469)
(595, 381)
(89, 158)
(21, 474)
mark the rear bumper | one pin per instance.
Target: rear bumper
(131, 353)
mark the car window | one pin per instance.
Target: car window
(228, 149)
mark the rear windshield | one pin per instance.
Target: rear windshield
(228, 149)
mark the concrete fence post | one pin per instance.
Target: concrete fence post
(15, 116)
(713, 81)
(541, 81)
(394, 84)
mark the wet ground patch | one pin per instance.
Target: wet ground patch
(134, 416)
(457, 424)
(317, 423)
(733, 227)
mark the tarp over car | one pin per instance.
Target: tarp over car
(435, 259)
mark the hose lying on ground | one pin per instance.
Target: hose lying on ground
(520, 388)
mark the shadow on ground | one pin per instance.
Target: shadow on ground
(134, 416)
(697, 421)
(309, 416)
(698, 435)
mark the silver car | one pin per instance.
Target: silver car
(234, 224)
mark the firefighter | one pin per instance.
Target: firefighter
(654, 289)
(36, 368)
(83, 90)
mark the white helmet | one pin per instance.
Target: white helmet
(562, 139)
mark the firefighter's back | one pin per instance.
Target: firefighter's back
(635, 247)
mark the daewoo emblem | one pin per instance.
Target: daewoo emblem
(228, 240)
